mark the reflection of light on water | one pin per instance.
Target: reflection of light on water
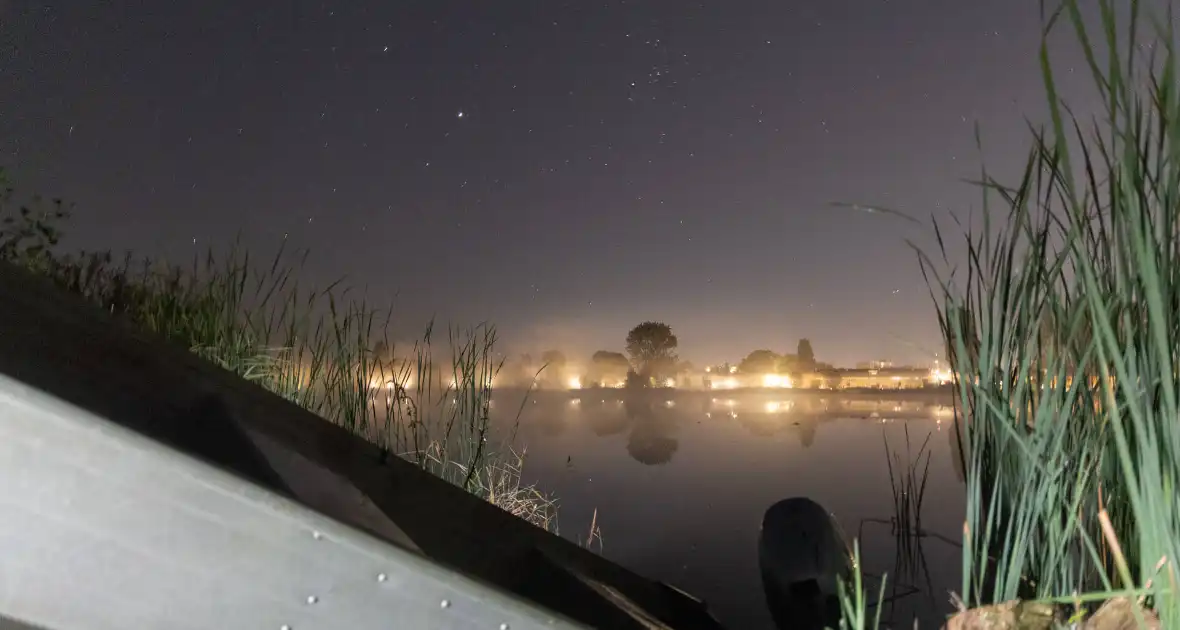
(669, 404)
(574, 402)
(730, 402)
(772, 407)
(940, 412)
(391, 384)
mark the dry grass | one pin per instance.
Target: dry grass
(317, 348)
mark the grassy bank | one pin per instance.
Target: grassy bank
(327, 350)
(1064, 325)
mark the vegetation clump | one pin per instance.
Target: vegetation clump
(325, 350)
(1063, 327)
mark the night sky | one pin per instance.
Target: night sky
(564, 170)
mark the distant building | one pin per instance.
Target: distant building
(885, 378)
(727, 377)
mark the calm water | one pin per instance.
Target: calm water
(681, 483)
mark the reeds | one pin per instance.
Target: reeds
(325, 350)
(907, 483)
(1064, 337)
(1063, 327)
(854, 605)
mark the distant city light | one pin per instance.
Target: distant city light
(941, 377)
(575, 383)
(775, 380)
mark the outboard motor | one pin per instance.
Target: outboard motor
(801, 553)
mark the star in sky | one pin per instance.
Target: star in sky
(658, 160)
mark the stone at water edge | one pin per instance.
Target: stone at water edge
(1119, 614)
(1012, 615)
(1114, 614)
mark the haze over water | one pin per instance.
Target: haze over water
(681, 488)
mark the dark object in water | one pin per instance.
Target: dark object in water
(800, 555)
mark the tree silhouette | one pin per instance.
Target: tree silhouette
(805, 354)
(760, 362)
(606, 358)
(635, 380)
(608, 366)
(652, 348)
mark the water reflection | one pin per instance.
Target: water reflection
(955, 438)
(652, 419)
(553, 425)
(681, 488)
(804, 415)
(651, 441)
(606, 420)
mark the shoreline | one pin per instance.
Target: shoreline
(928, 393)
